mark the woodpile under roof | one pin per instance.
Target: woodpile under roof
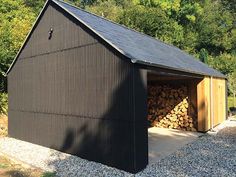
(168, 107)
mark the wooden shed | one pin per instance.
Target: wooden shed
(79, 85)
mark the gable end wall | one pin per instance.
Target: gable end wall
(75, 94)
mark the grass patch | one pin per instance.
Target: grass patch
(48, 174)
(9, 168)
(2, 165)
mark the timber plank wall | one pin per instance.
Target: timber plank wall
(211, 102)
(76, 94)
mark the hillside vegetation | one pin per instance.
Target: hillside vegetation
(203, 28)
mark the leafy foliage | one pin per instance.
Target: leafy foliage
(107, 9)
(225, 63)
(203, 56)
(205, 29)
(154, 22)
(35, 5)
(48, 174)
(232, 85)
(216, 29)
(3, 103)
(15, 22)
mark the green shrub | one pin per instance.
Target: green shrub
(230, 102)
(48, 174)
(3, 103)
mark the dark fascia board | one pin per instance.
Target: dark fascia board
(28, 36)
(193, 74)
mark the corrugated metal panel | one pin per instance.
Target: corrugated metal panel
(76, 94)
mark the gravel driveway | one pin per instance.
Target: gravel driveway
(211, 155)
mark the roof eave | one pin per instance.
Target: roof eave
(175, 69)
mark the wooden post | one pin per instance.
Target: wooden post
(203, 104)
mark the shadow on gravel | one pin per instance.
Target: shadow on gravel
(210, 155)
(73, 166)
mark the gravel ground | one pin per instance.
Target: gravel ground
(213, 154)
(51, 160)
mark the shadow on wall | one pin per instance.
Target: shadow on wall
(110, 139)
(202, 122)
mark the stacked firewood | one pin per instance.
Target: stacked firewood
(168, 107)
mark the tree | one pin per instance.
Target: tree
(16, 20)
(232, 86)
(230, 5)
(107, 9)
(35, 5)
(215, 29)
(205, 28)
(225, 63)
(154, 22)
(203, 56)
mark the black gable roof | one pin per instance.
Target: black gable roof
(138, 47)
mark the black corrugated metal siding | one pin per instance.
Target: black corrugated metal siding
(76, 94)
